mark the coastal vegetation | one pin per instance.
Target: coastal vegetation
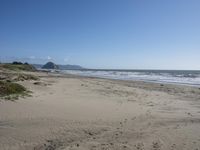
(12, 91)
(18, 66)
(10, 78)
(7, 88)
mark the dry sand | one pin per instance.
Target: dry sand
(73, 113)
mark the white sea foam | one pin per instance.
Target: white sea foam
(176, 77)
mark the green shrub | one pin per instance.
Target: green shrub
(8, 88)
(18, 67)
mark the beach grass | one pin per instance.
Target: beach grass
(12, 91)
(18, 67)
(23, 77)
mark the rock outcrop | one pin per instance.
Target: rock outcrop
(50, 65)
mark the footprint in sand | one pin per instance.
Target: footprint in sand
(139, 146)
(156, 146)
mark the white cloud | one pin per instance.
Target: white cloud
(49, 58)
(32, 57)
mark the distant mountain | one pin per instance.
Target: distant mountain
(62, 67)
(50, 65)
(38, 66)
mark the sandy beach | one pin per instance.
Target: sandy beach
(71, 113)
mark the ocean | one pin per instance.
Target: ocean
(186, 77)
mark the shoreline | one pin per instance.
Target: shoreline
(138, 78)
(128, 80)
(139, 83)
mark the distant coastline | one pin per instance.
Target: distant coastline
(62, 67)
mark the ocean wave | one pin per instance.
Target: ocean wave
(176, 77)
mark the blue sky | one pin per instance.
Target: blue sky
(126, 34)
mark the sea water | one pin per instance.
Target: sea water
(189, 77)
